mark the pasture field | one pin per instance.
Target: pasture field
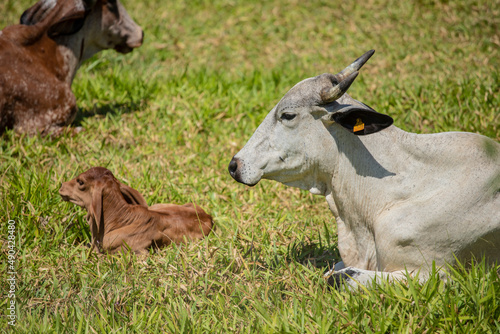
(166, 120)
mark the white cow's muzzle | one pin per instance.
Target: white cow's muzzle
(241, 173)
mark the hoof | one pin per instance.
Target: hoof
(341, 279)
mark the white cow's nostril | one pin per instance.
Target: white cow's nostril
(233, 167)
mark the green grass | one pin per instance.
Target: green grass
(167, 118)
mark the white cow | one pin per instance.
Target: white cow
(401, 200)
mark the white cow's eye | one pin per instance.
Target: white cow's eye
(288, 116)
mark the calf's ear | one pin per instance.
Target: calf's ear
(362, 121)
(96, 215)
(132, 196)
(68, 25)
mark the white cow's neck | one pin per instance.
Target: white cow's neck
(364, 169)
(359, 180)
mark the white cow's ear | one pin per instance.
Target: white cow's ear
(322, 113)
(361, 121)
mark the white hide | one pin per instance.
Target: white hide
(401, 200)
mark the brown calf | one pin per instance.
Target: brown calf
(119, 215)
(39, 59)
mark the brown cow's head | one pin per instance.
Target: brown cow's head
(100, 24)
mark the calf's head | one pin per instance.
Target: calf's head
(83, 189)
(291, 144)
(103, 24)
(89, 189)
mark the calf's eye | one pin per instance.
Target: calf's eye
(288, 116)
(80, 182)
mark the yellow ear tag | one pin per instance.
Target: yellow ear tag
(358, 126)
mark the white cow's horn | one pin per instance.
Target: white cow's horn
(345, 78)
(332, 94)
(355, 66)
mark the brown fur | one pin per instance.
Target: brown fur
(119, 215)
(39, 59)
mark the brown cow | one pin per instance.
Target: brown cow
(39, 59)
(119, 216)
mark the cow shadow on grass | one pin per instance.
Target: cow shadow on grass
(106, 109)
(305, 252)
(313, 253)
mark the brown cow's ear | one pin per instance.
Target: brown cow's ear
(37, 13)
(132, 196)
(361, 121)
(68, 25)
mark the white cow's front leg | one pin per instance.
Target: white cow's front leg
(350, 278)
